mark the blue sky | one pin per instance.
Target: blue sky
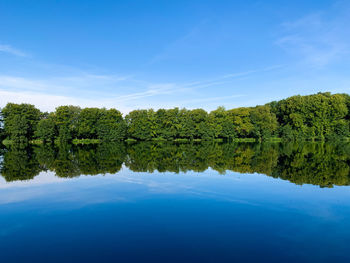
(164, 54)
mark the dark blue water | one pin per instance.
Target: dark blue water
(168, 217)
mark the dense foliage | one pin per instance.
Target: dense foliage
(321, 116)
(315, 116)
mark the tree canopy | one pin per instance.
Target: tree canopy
(321, 116)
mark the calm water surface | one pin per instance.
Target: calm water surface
(175, 203)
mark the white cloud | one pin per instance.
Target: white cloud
(152, 90)
(11, 50)
(48, 102)
(80, 82)
(111, 91)
(318, 39)
(180, 43)
(82, 90)
(12, 82)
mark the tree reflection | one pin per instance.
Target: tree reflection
(19, 163)
(320, 164)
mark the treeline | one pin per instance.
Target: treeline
(321, 116)
(323, 164)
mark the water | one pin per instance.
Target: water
(176, 203)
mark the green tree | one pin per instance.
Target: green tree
(66, 120)
(222, 124)
(111, 126)
(2, 132)
(201, 128)
(46, 130)
(168, 124)
(186, 124)
(87, 123)
(315, 116)
(20, 121)
(141, 124)
(264, 122)
(241, 121)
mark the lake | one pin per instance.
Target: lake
(162, 202)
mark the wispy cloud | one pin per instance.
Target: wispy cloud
(152, 90)
(122, 92)
(171, 88)
(22, 90)
(220, 99)
(185, 41)
(319, 38)
(227, 78)
(48, 102)
(81, 83)
(85, 90)
(12, 82)
(11, 50)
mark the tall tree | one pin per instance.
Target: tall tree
(141, 124)
(241, 121)
(222, 123)
(111, 126)
(66, 120)
(20, 121)
(264, 122)
(314, 116)
(87, 123)
(46, 130)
